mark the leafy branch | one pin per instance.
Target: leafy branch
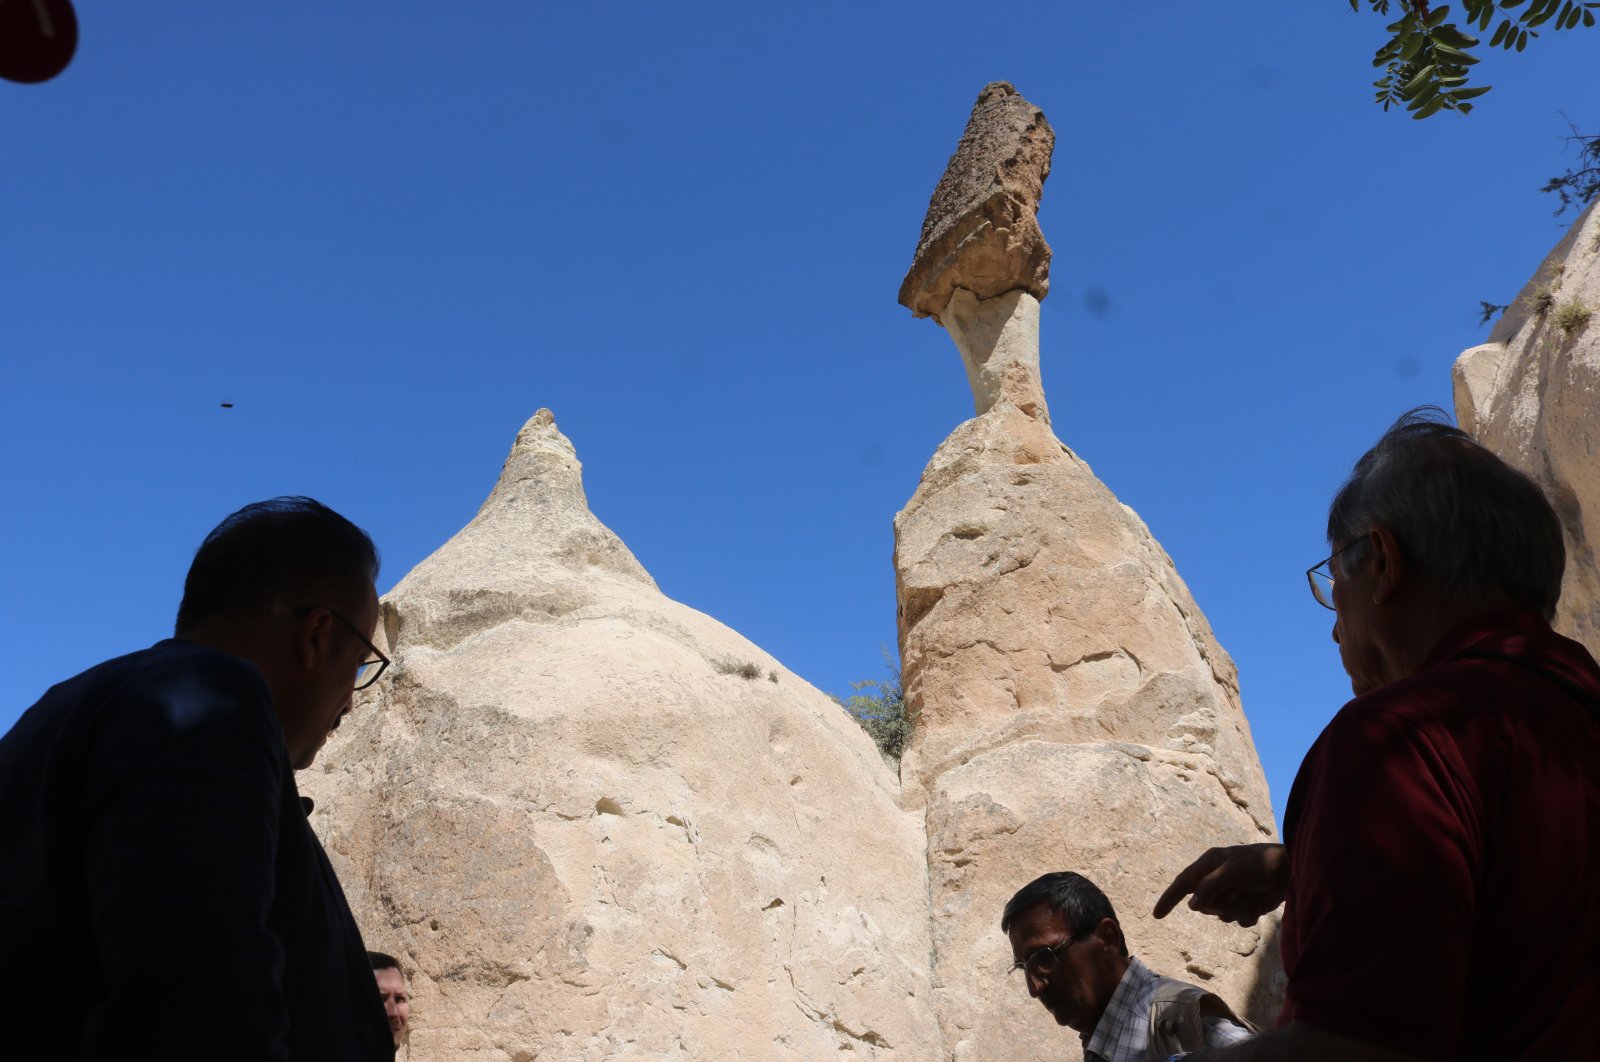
(1426, 59)
(1581, 183)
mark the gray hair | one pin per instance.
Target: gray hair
(1472, 527)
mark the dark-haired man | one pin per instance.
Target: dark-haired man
(392, 990)
(1070, 951)
(161, 893)
(1443, 834)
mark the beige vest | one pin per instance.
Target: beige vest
(1177, 1018)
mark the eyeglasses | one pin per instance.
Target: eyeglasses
(1043, 961)
(1320, 576)
(372, 665)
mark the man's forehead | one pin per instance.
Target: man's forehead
(1036, 927)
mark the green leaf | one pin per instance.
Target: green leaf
(1588, 18)
(1432, 107)
(1428, 94)
(1411, 87)
(1472, 93)
(1453, 37)
(1500, 34)
(1522, 39)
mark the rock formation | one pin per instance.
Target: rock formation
(596, 824)
(1072, 709)
(1530, 394)
(981, 232)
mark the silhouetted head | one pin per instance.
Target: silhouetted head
(1431, 528)
(288, 584)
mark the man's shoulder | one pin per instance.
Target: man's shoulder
(173, 686)
(1496, 676)
(1180, 1014)
(1167, 991)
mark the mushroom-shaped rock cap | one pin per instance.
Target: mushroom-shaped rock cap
(982, 232)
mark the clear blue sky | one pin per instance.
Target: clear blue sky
(389, 232)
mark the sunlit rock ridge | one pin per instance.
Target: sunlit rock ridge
(1072, 709)
(1531, 394)
(597, 824)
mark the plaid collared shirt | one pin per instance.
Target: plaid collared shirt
(1123, 1034)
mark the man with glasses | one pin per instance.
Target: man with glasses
(161, 892)
(1442, 853)
(1070, 953)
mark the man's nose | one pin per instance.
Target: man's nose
(390, 1009)
(1336, 631)
(1035, 984)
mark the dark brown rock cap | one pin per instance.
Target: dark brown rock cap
(982, 229)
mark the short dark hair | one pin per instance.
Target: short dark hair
(1079, 900)
(284, 551)
(384, 961)
(1472, 526)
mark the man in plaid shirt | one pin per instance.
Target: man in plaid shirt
(1070, 951)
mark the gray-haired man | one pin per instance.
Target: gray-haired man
(1441, 865)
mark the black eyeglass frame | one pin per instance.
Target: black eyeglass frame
(1033, 963)
(1316, 571)
(382, 661)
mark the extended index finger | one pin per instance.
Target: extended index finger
(1186, 881)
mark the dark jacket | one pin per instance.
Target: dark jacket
(161, 893)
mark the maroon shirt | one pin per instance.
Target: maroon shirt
(1444, 854)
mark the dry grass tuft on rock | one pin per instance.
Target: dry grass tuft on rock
(744, 671)
(1572, 316)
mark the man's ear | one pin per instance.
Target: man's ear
(312, 637)
(1109, 934)
(1389, 566)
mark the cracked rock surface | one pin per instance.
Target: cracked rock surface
(1072, 709)
(588, 836)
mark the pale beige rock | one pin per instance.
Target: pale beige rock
(999, 343)
(1072, 709)
(981, 231)
(1124, 815)
(1073, 712)
(589, 837)
(1531, 394)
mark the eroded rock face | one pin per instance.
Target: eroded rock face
(1072, 709)
(1073, 712)
(588, 835)
(981, 232)
(1531, 394)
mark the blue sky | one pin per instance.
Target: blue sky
(390, 232)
